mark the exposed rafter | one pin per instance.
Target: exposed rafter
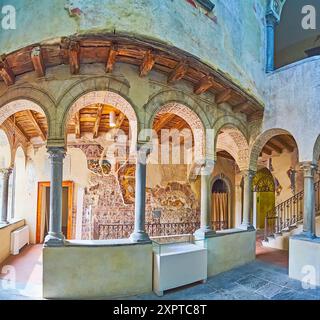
(37, 61)
(223, 96)
(18, 128)
(74, 57)
(286, 145)
(120, 120)
(203, 85)
(6, 72)
(274, 147)
(111, 59)
(77, 125)
(147, 63)
(36, 125)
(97, 122)
(178, 72)
(163, 121)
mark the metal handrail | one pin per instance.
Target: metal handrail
(288, 213)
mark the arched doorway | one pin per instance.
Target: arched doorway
(263, 196)
(221, 204)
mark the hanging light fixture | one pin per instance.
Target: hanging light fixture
(112, 119)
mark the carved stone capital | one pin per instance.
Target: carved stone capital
(5, 172)
(308, 169)
(248, 174)
(56, 153)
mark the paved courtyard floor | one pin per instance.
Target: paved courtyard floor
(254, 281)
(266, 278)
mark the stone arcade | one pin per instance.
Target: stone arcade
(123, 134)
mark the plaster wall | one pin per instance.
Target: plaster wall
(97, 271)
(304, 260)
(293, 103)
(230, 249)
(212, 37)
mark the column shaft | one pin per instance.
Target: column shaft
(55, 236)
(247, 199)
(271, 21)
(4, 195)
(309, 200)
(139, 234)
(205, 230)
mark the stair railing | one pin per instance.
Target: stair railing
(288, 213)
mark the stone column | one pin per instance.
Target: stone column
(139, 234)
(247, 199)
(5, 175)
(205, 230)
(55, 237)
(270, 23)
(309, 200)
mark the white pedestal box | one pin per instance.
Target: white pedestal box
(178, 264)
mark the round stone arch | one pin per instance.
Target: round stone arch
(115, 91)
(105, 97)
(6, 150)
(27, 98)
(187, 108)
(259, 143)
(192, 120)
(238, 145)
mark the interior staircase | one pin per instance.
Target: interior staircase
(286, 219)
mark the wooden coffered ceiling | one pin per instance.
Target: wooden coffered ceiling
(109, 50)
(29, 124)
(95, 119)
(278, 144)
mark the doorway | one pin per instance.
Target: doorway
(221, 209)
(43, 210)
(263, 197)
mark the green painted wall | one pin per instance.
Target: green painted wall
(265, 203)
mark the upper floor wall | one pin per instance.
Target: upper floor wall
(230, 38)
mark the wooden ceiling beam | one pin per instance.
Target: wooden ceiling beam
(97, 122)
(267, 150)
(36, 125)
(178, 72)
(223, 96)
(17, 127)
(147, 63)
(203, 85)
(37, 61)
(286, 145)
(274, 147)
(77, 125)
(112, 56)
(6, 72)
(120, 120)
(162, 121)
(74, 57)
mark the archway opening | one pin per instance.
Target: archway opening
(100, 162)
(263, 197)
(221, 204)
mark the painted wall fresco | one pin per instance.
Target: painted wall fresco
(109, 198)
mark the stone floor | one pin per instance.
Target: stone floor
(254, 281)
(265, 278)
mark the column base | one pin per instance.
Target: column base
(54, 240)
(140, 236)
(4, 223)
(204, 233)
(248, 227)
